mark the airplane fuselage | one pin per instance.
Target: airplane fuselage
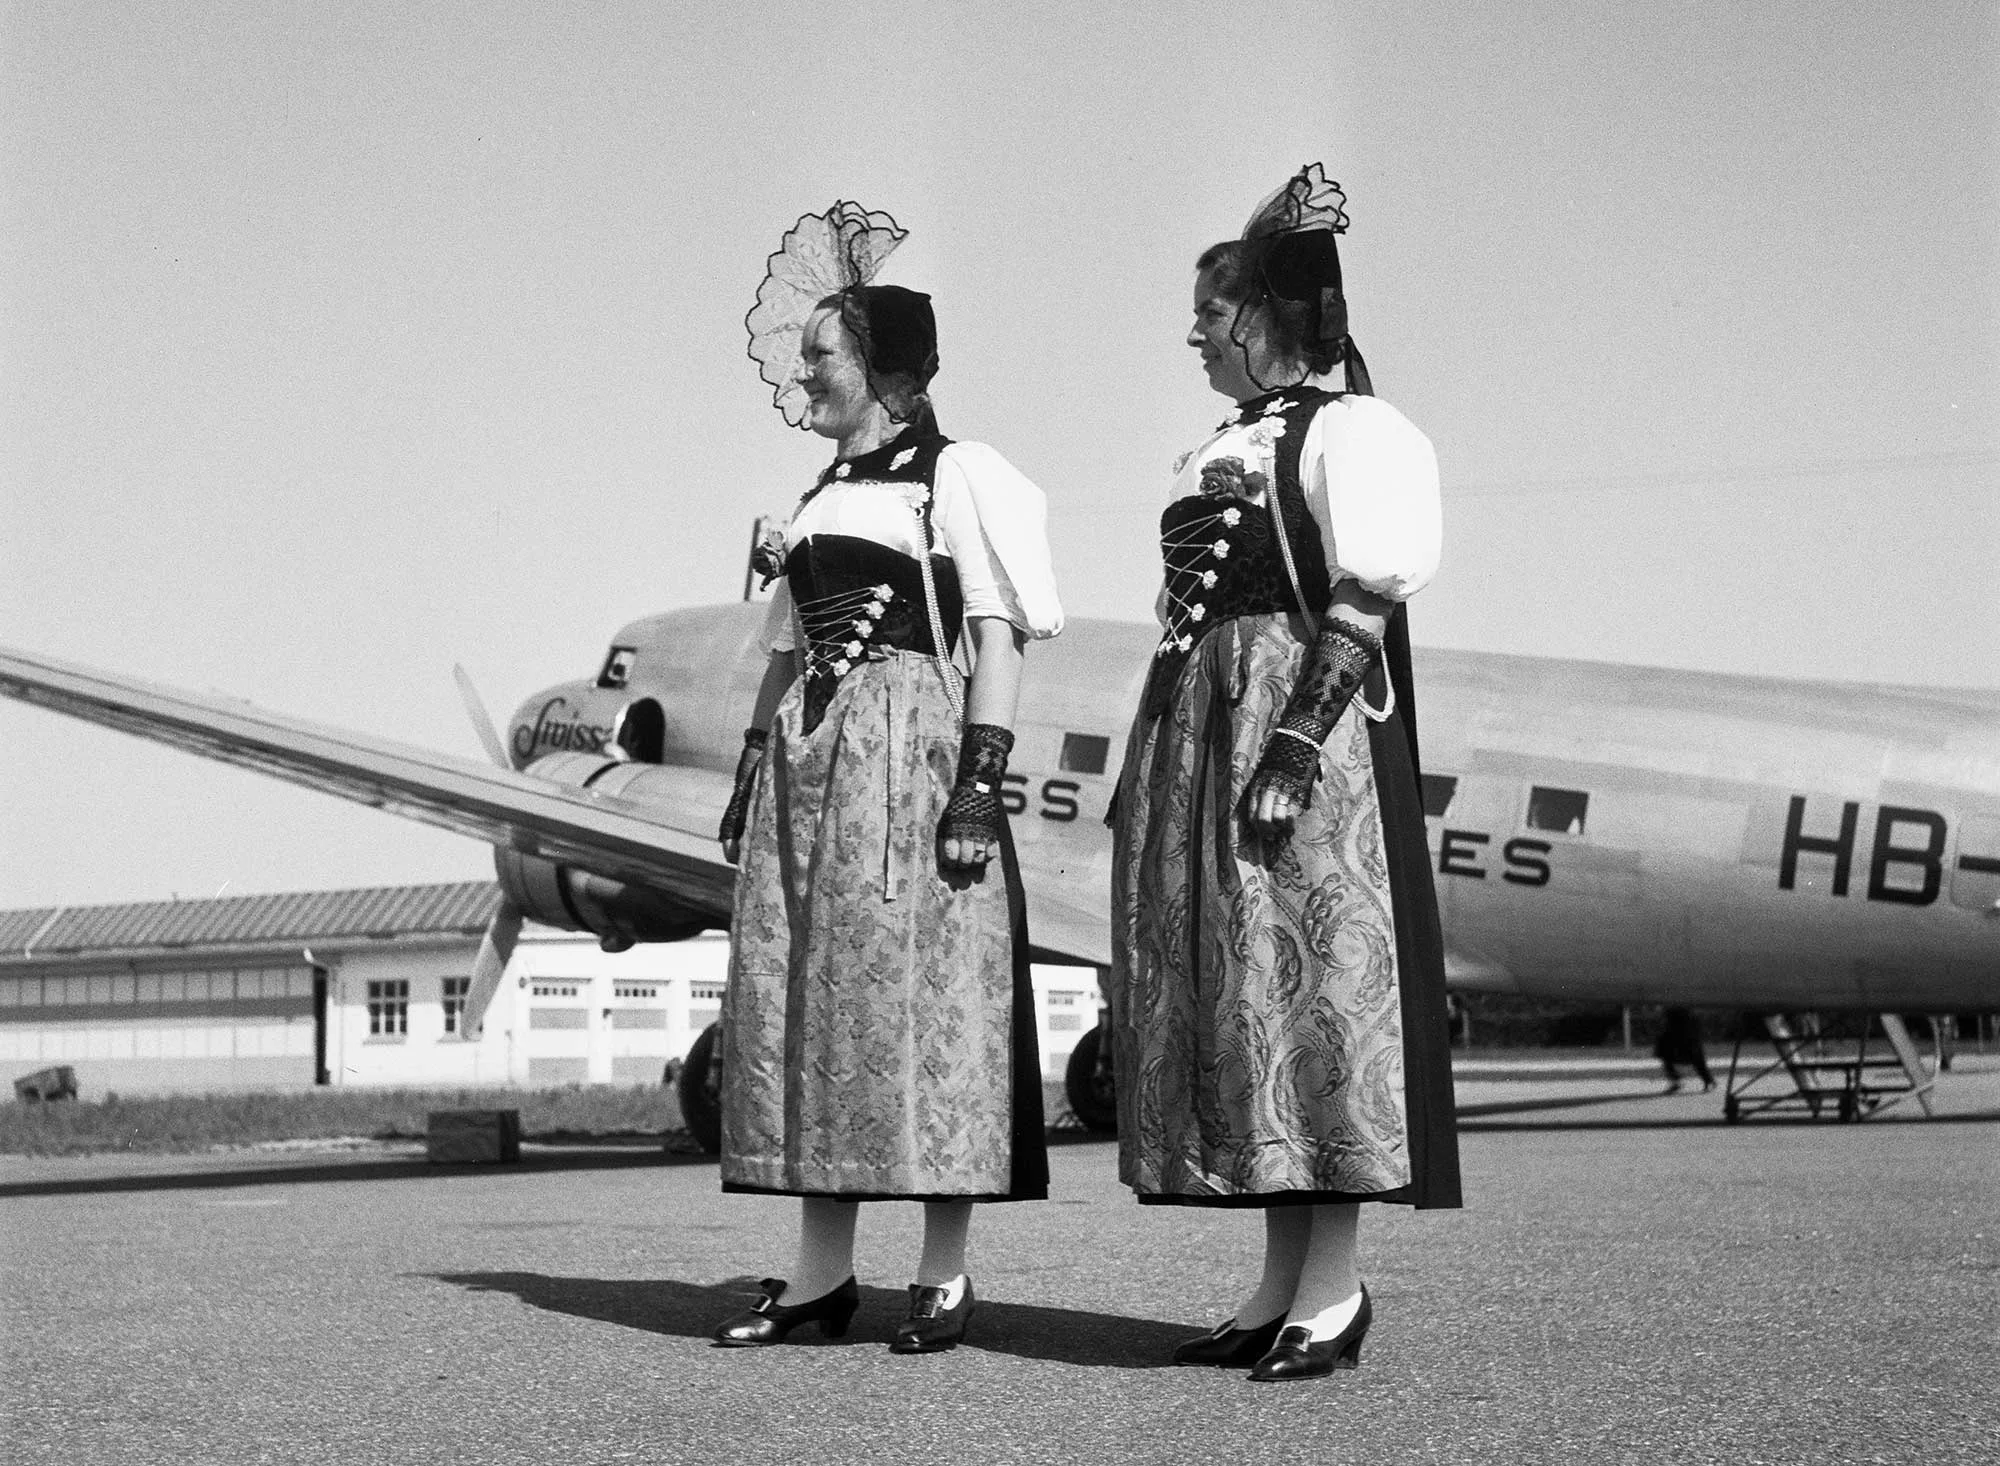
(1600, 833)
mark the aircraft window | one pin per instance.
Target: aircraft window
(617, 666)
(1438, 790)
(1084, 753)
(1561, 810)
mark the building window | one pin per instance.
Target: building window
(704, 1004)
(635, 990)
(556, 990)
(1070, 1021)
(1559, 810)
(389, 1008)
(455, 990)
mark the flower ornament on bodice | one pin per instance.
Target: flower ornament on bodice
(768, 558)
(1228, 478)
(1265, 432)
(902, 460)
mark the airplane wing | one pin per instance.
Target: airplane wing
(1065, 923)
(669, 847)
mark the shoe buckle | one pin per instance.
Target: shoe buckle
(929, 1303)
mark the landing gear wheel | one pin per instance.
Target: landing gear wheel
(1087, 1083)
(699, 1090)
(1732, 1112)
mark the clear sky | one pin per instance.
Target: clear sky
(340, 341)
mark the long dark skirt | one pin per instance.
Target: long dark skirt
(878, 1037)
(1277, 1005)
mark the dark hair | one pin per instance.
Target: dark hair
(1294, 325)
(897, 333)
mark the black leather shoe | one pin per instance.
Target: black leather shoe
(1229, 1346)
(1298, 1355)
(931, 1328)
(768, 1321)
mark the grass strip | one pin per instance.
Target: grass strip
(180, 1123)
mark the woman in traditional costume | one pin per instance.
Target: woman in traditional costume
(1278, 983)
(878, 1040)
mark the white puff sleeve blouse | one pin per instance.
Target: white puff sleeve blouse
(1371, 482)
(986, 515)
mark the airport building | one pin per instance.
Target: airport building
(365, 987)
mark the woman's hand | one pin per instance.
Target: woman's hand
(737, 814)
(969, 833)
(779, 673)
(1270, 808)
(974, 820)
(965, 852)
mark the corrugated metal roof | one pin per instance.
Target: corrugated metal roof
(231, 921)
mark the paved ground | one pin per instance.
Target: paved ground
(1631, 1281)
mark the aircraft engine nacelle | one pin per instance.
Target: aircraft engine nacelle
(619, 913)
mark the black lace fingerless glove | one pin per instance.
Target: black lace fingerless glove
(974, 810)
(1333, 673)
(737, 814)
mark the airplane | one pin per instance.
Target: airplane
(1601, 833)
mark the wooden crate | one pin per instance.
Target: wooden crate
(472, 1137)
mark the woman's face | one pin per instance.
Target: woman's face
(1236, 353)
(839, 403)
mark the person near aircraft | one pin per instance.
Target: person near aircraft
(1680, 1043)
(878, 1033)
(1277, 990)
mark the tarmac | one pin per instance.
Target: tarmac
(1631, 1280)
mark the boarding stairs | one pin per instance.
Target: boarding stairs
(1843, 1066)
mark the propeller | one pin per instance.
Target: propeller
(497, 946)
(491, 964)
(481, 723)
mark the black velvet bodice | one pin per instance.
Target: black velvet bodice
(857, 600)
(1220, 549)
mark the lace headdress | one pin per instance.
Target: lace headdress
(836, 253)
(1290, 240)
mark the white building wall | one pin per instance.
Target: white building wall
(1066, 1004)
(566, 1012)
(213, 1023)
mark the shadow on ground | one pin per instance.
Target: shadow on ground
(559, 1152)
(691, 1311)
(1542, 1114)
